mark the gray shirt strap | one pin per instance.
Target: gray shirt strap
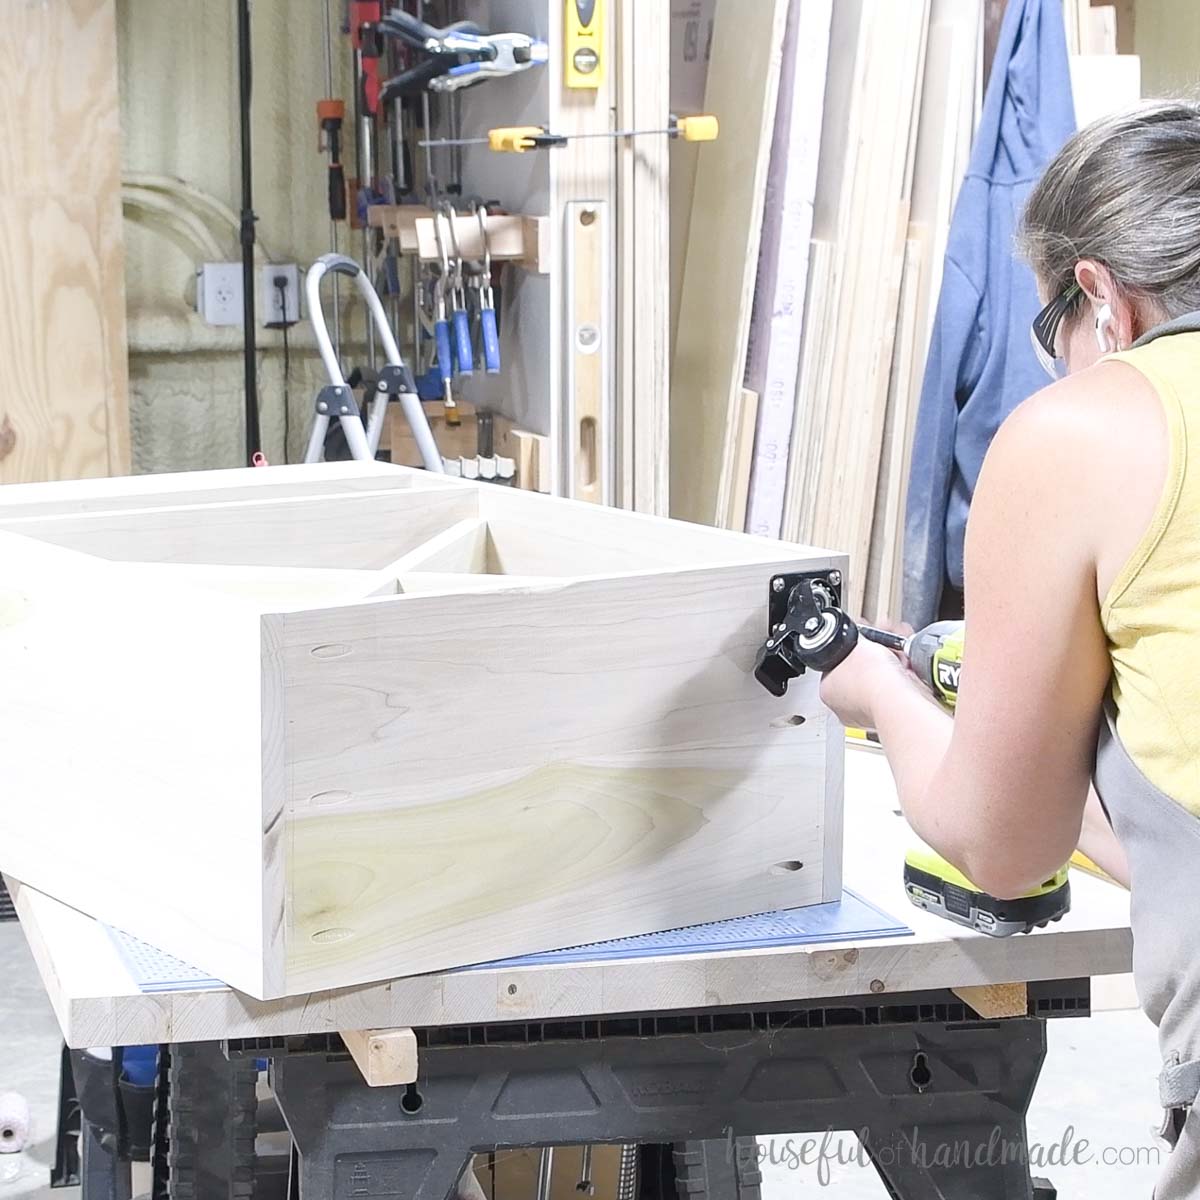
(1179, 1083)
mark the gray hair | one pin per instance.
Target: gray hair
(1124, 191)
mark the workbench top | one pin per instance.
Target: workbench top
(98, 1001)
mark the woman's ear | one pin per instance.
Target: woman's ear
(1116, 321)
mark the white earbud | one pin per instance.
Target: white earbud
(1104, 322)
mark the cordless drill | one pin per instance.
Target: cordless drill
(808, 630)
(934, 655)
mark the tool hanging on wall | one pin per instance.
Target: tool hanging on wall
(583, 37)
(516, 139)
(441, 323)
(460, 321)
(461, 55)
(395, 381)
(330, 116)
(489, 330)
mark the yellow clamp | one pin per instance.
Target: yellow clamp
(700, 128)
(514, 139)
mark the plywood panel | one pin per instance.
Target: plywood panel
(62, 297)
(607, 802)
(358, 531)
(389, 783)
(723, 240)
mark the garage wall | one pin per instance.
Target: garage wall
(1167, 36)
(179, 110)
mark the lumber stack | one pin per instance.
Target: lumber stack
(796, 377)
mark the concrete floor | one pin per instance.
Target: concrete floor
(1098, 1082)
(29, 1050)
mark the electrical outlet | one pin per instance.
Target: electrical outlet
(219, 293)
(279, 310)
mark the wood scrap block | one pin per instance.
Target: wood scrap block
(994, 1000)
(557, 740)
(386, 1057)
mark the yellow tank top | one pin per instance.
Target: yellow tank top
(1152, 611)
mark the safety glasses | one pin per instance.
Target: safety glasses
(1043, 333)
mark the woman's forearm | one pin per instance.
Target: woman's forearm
(915, 733)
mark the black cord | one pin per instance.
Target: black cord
(281, 288)
(250, 350)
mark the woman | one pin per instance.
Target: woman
(1082, 584)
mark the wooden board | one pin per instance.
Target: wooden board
(709, 364)
(869, 210)
(690, 50)
(882, 599)
(557, 740)
(98, 1002)
(64, 410)
(946, 120)
(643, 258)
(743, 457)
(776, 329)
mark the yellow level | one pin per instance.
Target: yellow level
(584, 56)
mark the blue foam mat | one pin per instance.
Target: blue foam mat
(850, 918)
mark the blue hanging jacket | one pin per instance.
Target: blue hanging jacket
(981, 364)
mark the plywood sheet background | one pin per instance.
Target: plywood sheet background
(63, 404)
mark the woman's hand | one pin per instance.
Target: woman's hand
(853, 686)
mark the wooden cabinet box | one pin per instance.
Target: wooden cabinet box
(307, 727)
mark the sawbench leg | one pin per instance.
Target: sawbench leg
(937, 1095)
(103, 1175)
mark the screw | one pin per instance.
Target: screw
(777, 585)
(322, 408)
(812, 625)
(770, 644)
(835, 577)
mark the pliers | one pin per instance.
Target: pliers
(458, 56)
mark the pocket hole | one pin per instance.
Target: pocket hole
(412, 1101)
(785, 722)
(788, 867)
(332, 650)
(920, 1076)
(322, 799)
(338, 933)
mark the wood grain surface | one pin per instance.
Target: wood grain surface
(98, 1002)
(64, 408)
(630, 774)
(549, 735)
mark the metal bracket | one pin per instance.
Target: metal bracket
(396, 379)
(335, 400)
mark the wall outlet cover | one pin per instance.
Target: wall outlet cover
(219, 293)
(278, 310)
